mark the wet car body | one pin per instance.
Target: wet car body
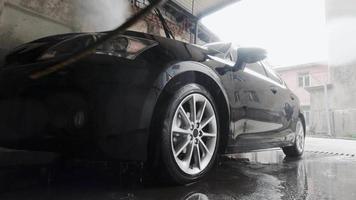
(114, 100)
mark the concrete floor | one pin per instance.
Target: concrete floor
(319, 174)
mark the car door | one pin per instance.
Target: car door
(284, 101)
(258, 108)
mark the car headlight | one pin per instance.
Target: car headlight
(125, 46)
(121, 46)
(68, 47)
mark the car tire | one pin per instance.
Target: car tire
(189, 143)
(298, 147)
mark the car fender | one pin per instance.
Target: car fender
(169, 74)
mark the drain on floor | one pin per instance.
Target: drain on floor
(332, 153)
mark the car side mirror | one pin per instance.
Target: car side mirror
(249, 55)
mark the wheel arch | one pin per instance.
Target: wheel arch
(179, 75)
(301, 116)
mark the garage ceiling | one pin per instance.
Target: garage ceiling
(201, 8)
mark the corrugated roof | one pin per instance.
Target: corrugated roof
(201, 8)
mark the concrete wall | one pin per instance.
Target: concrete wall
(342, 121)
(343, 94)
(341, 20)
(25, 20)
(19, 24)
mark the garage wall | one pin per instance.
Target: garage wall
(25, 20)
(20, 24)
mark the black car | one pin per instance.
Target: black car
(147, 98)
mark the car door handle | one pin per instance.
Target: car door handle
(273, 89)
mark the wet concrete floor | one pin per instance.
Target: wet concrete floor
(263, 175)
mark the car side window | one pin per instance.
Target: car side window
(271, 73)
(256, 67)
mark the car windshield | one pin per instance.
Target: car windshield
(177, 99)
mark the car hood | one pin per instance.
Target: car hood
(29, 52)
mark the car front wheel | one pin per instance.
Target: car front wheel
(190, 134)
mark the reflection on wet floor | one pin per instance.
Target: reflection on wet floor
(262, 157)
(262, 175)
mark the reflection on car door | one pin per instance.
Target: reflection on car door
(258, 106)
(285, 100)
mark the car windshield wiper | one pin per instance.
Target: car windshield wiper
(90, 48)
(165, 26)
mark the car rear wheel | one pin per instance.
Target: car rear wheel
(298, 147)
(190, 134)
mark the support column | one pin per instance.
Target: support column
(327, 112)
(196, 31)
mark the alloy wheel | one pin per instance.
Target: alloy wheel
(194, 134)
